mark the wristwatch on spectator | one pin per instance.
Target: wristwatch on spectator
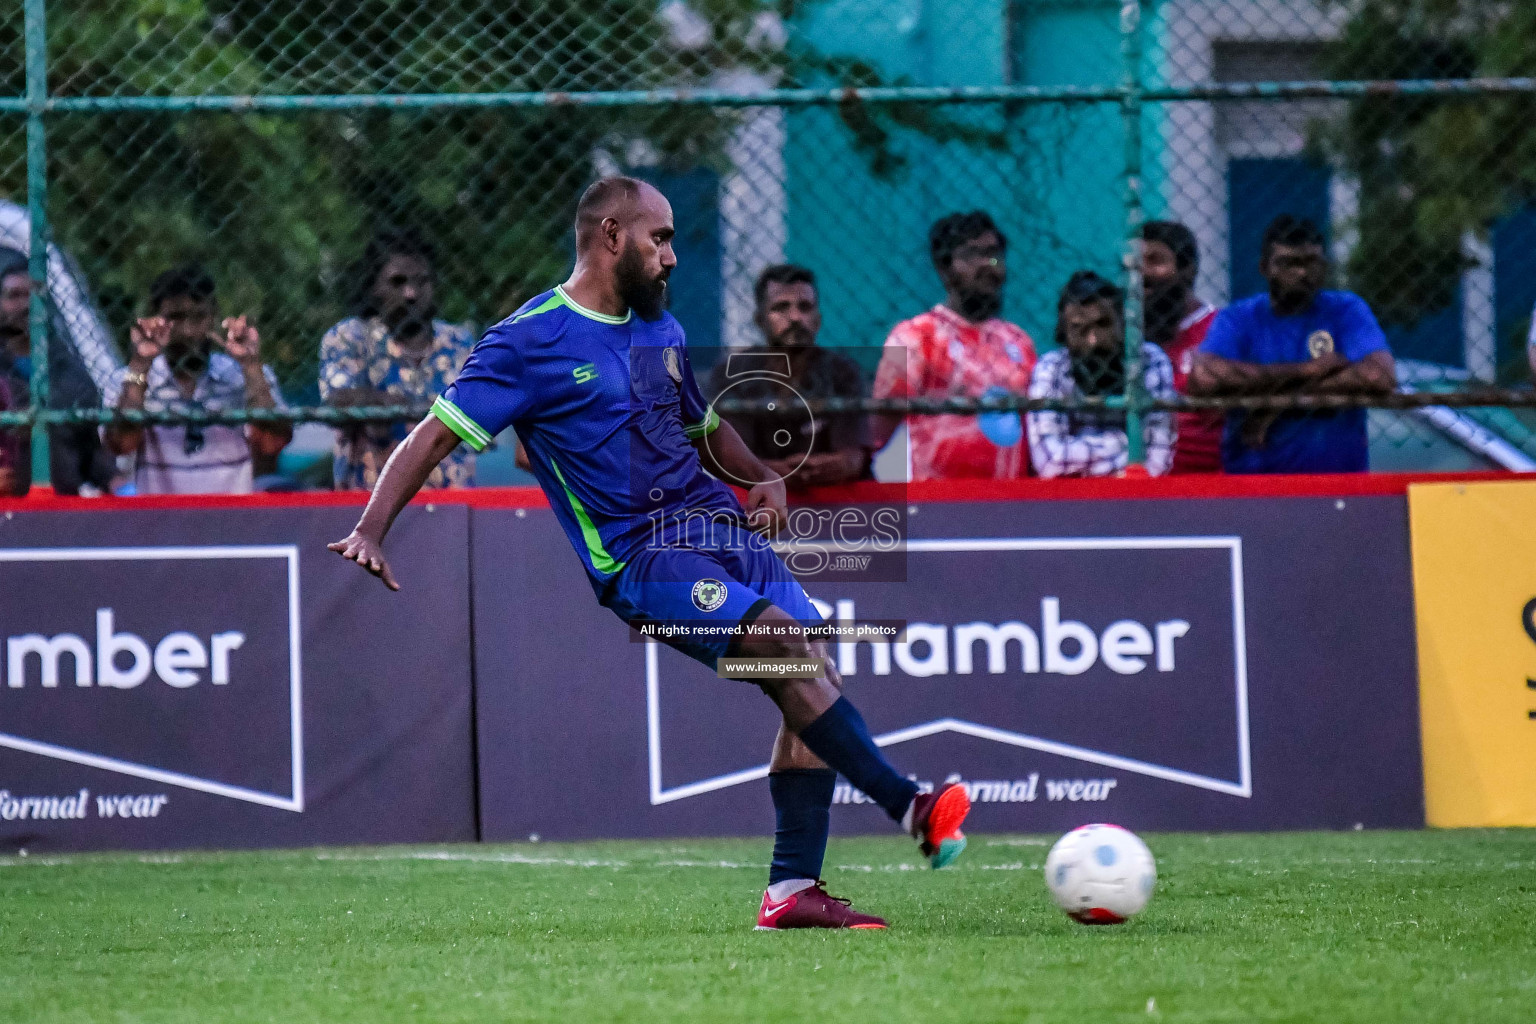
(140, 380)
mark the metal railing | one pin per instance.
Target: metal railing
(1131, 96)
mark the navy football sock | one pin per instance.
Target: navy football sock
(802, 808)
(840, 738)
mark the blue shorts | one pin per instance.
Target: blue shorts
(713, 588)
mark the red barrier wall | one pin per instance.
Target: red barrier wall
(1214, 486)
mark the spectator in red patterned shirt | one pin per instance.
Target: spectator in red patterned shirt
(1177, 320)
(960, 348)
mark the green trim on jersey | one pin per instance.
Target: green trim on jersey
(602, 561)
(555, 301)
(708, 425)
(470, 432)
(590, 314)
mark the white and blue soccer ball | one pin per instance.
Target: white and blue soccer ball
(1100, 874)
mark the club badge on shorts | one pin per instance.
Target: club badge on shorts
(674, 368)
(708, 594)
(1319, 344)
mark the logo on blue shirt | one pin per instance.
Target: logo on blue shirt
(585, 372)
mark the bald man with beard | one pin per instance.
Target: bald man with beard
(594, 376)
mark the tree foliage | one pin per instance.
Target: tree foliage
(1431, 169)
(279, 204)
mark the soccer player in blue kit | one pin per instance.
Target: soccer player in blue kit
(595, 377)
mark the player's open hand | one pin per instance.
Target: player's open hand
(149, 336)
(766, 507)
(367, 553)
(241, 340)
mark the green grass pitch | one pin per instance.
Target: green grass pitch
(1327, 927)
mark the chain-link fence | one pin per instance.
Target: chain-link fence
(270, 142)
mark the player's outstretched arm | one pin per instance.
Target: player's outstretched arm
(407, 469)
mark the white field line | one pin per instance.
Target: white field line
(62, 861)
(508, 857)
(489, 857)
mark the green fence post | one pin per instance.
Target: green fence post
(1130, 108)
(37, 230)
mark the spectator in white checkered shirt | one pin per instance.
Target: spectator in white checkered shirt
(1089, 362)
(178, 361)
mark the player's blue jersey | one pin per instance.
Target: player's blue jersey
(607, 408)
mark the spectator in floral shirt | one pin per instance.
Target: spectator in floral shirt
(1090, 363)
(392, 352)
(960, 349)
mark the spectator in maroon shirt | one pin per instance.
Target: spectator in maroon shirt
(1177, 321)
(78, 463)
(799, 448)
(9, 443)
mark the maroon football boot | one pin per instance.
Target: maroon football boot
(812, 907)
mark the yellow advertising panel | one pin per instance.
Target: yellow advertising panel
(1474, 581)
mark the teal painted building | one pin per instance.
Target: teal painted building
(1052, 175)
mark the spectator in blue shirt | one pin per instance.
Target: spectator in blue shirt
(1296, 339)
